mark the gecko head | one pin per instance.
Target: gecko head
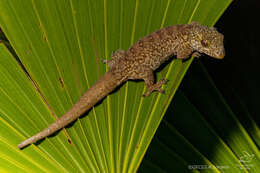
(207, 40)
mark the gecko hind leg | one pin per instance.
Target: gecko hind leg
(114, 58)
(151, 86)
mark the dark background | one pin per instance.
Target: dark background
(237, 75)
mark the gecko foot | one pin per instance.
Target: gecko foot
(156, 87)
(196, 54)
(105, 61)
(110, 63)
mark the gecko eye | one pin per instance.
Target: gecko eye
(205, 43)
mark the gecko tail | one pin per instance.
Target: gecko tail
(93, 95)
(33, 139)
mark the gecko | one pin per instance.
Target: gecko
(139, 62)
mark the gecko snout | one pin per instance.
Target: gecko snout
(220, 55)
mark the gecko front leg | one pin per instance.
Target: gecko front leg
(150, 85)
(196, 54)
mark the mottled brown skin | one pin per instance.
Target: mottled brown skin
(139, 62)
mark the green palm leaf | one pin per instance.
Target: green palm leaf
(60, 45)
